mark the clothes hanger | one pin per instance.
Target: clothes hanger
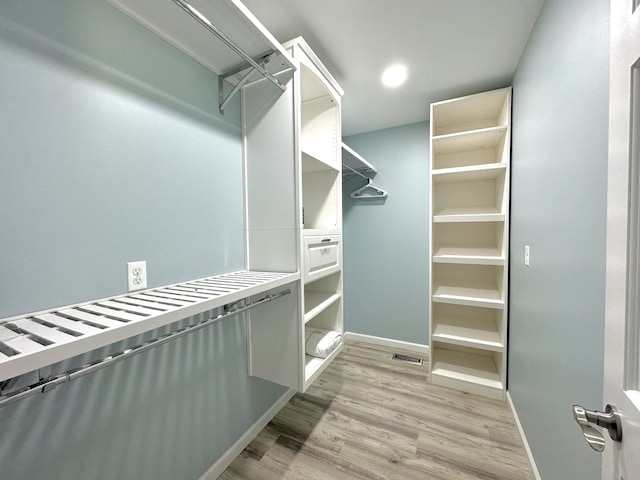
(369, 191)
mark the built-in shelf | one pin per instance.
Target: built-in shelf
(469, 332)
(468, 255)
(316, 302)
(452, 365)
(466, 174)
(36, 340)
(468, 214)
(467, 141)
(470, 293)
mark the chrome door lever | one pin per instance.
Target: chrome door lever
(609, 419)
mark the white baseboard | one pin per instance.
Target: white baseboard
(229, 456)
(387, 342)
(532, 462)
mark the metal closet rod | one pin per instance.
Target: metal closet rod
(205, 22)
(51, 383)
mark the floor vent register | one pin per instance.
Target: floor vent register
(407, 358)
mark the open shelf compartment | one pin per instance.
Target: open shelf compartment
(468, 326)
(321, 294)
(467, 369)
(471, 285)
(473, 112)
(320, 190)
(329, 318)
(469, 243)
(479, 196)
(319, 119)
(467, 149)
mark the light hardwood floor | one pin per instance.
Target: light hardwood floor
(370, 417)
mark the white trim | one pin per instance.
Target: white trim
(387, 342)
(229, 456)
(532, 461)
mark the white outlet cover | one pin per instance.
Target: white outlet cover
(137, 275)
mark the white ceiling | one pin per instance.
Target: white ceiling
(451, 47)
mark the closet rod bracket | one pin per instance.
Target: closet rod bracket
(258, 66)
(223, 100)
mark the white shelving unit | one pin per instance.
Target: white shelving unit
(470, 162)
(294, 213)
(321, 232)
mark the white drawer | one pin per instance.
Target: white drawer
(322, 256)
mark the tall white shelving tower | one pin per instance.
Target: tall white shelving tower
(470, 160)
(293, 173)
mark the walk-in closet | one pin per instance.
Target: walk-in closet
(285, 239)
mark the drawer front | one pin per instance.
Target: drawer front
(322, 256)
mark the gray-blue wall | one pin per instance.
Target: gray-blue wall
(558, 206)
(112, 150)
(386, 277)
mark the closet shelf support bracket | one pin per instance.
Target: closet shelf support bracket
(224, 101)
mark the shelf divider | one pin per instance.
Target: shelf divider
(468, 332)
(470, 173)
(468, 255)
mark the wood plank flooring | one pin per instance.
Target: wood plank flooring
(371, 417)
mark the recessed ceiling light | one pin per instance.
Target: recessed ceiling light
(395, 75)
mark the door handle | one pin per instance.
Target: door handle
(609, 419)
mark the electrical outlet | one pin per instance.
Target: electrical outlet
(527, 256)
(137, 275)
